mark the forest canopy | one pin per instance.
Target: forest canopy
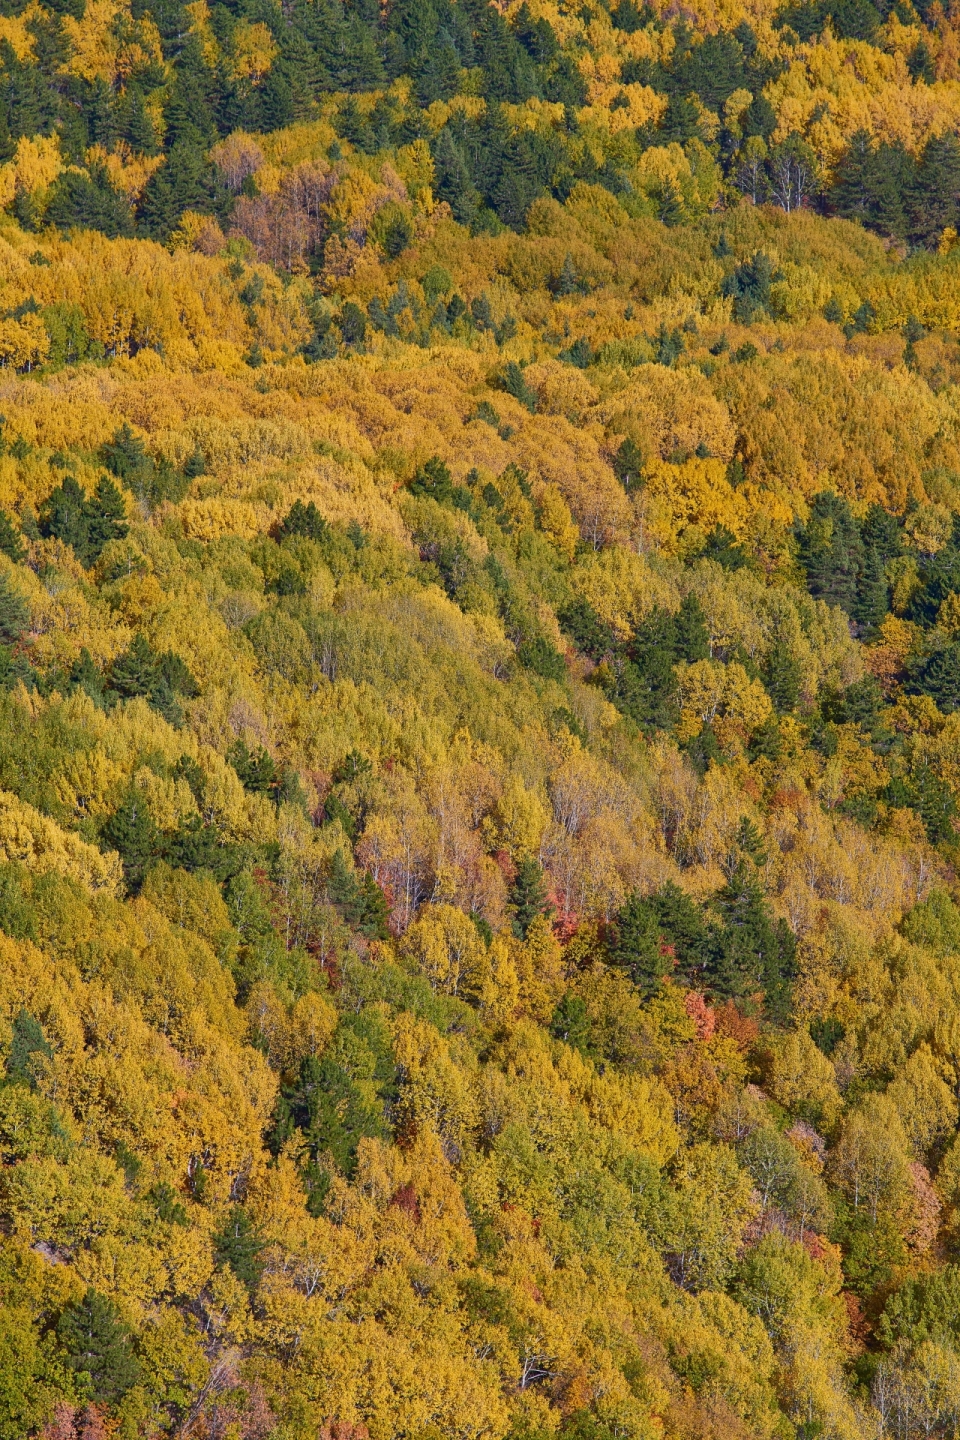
(479, 720)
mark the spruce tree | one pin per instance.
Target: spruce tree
(781, 678)
(934, 198)
(628, 465)
(10, 543)
(636, 944)
(528, 896)
(873, 592)
(26, 1042)
(106, 518)
(831, 551)
(238, 1245)
(691, 640)
(303, 520)
(131, 831)
(96, 1345)
(63, 515)
(135, 672)
(14, 614)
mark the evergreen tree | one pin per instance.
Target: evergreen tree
(691, 640)
(303, 520)
(628, 465)
(749, 287)
(637, 946)
(132, 832)
(63, 516)
(79, 201)
(938, 675)
(96, 1345)
(781, 677)
(106, 517)
(934, 198)
(528, 896)
(10, 543)
(26, 1042)
(920, 63)
(571, 1023)
(831, 551)
(750, 952)
(433, 480)
(183, 182)
(14, 614)
(238, 1245)
(256, 769)
(873, 592)
(126, 457)
(135, 671)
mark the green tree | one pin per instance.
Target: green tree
(637, 946)
(10, 543)
(97, 1347)
(238, 1245)
(528, 896)
(27, 1041)
(14, 615)
(132, 832)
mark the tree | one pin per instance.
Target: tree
(781, 678)
(792, 169)
(97, 1346)
(303, 520)
(528, 896)
(933, 200)
(132, 832)
(14, 615)
(27, 1041)
(831, 551)
(749, 287)
(238, 1245)
(88, 202)
(637, 946)
(750, 952)
(10, 543)
(939, 677)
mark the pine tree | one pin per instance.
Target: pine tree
(433, 480)
(106, 517)
(26, 1042)
(873, 592)
(96, 1344)
(238, 1245)
(528, 896)
(14, 614)
(135, 671)
(636, 944)
(256, 769)
(304, 520)
(131, 831)
(10, 543)
(781, 677)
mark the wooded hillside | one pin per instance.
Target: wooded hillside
(479, 721)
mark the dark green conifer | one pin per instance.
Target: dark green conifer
(528, 896)
(96, 1345)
